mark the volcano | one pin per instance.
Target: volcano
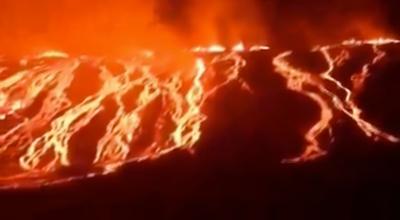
(198, 109)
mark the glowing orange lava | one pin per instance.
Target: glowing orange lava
(313, 86)
(33, 149)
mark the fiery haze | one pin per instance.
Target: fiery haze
(152, 86)
(117, 27)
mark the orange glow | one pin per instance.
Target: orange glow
(52, 54)
(36, 148)
(31, 153)
(306, 83)
(239, 47)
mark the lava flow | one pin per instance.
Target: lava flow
(34, 148)
(155, 108)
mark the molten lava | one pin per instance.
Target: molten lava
(39, 117)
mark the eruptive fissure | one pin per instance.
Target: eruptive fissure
(39, 118)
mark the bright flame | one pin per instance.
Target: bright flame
(52, 54)
(239, 47)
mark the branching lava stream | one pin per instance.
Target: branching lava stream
(39, 118)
